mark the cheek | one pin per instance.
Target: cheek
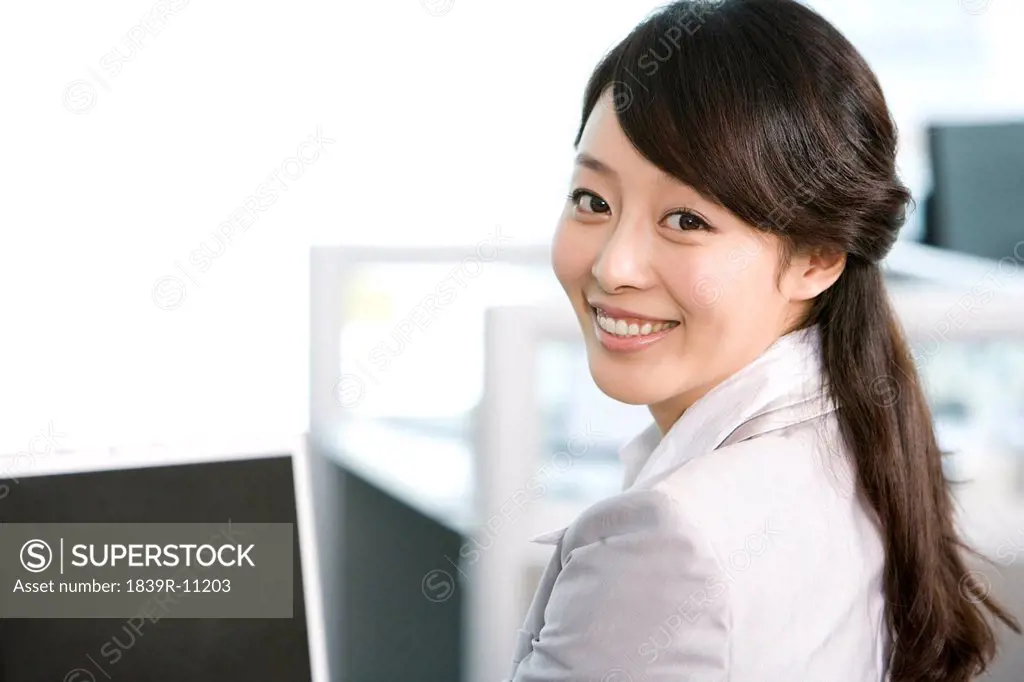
(695, 280)
(751, 295)
(722, 280)
(571, 256)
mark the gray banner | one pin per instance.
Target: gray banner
(150, 570)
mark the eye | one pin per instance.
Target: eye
(688, 220)
(597, 204)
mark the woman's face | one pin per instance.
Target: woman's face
(674, 293)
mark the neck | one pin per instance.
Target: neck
(781, 386)
(667, 412)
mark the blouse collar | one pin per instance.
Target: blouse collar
(781, 387)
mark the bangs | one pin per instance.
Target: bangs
(714, 94)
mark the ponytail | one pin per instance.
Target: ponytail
(933, 602)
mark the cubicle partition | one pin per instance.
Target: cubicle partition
(396, 378)
(452, 408)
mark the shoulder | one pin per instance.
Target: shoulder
(781, 508)
(630, 516)
(643, 540)
(639, 594)
(795, 469)
(798, 476)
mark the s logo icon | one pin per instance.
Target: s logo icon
(36, 556)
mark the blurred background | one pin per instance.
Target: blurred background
(241, 221)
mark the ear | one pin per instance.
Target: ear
(813, 272)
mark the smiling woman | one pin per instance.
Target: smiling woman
(646, 248)
(720, 246)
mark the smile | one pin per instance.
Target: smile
(629, 333)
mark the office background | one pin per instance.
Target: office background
(171, 165)
(444, 127)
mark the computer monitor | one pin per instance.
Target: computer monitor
(977, 200)
(266, 484)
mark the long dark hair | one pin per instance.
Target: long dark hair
(765, 108)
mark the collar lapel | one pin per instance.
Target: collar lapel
(637, 451)
(781, 387)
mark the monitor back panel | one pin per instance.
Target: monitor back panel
(978, 194)
(198, 650)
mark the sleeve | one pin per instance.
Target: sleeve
(641, 597)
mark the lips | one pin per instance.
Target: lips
(630, 316)
(622, 330)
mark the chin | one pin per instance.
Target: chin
(625, 385)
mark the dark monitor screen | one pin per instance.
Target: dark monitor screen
(197, 650)
(977, 201)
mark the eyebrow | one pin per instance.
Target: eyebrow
(587, 161)
(593, 163)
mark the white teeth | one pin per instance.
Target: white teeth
(623, 328)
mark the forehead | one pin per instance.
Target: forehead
(604, 140)
(602, 134)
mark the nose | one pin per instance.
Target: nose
(625, 260)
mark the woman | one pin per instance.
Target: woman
(785, 518)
